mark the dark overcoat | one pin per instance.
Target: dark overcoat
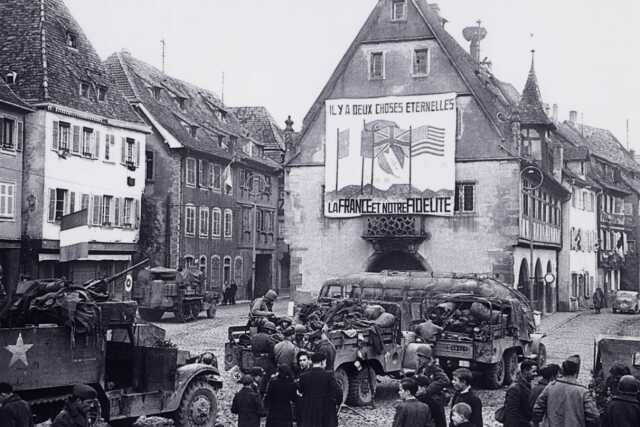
(321, 396)
(517, 404)
(622, 411)
(247, 404)
(15, 412)
(280, 395)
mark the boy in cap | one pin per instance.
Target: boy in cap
(14, 412)
(460, 415)
(437, 410)
(247, 404)
(76, 409)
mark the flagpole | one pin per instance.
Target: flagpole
(410, 155)
(373, 154)
(337, 155)
(364, 127)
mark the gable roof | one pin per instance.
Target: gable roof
(202, 108)
(33, 43)
(601, 143)
(530, 107)
(574, 149)
(8, 97)
(262, 126)
(484, 87)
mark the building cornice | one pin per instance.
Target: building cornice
(72, 112)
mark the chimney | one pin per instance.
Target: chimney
(555, 113)
(474, 35)
(573, 117)
(436, 9)
(288, 135)
(547, 109)
(558, 161)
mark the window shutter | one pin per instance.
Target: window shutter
(89, 208)
(19, 136)
(97, 211)
(116, 212)
(136, 209)
(52, 204)
(96, 139)
(76, 139)
(137, 153)
(72, 202)
(54, 142)
(124, 150)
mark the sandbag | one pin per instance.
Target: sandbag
(428, 330)
(480, 311)
(373, 311)
(385, 320)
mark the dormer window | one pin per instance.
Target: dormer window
(84, 89)
(11, 78)
(72, 40)
(193, 131)
(531, 144)
(398, 10)
(156, 91)
(102, 93)
(182, 102)
(221, 143)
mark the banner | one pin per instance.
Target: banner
(392, 155)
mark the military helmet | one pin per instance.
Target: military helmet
(271, 295)
(424, 350)
(269, 326)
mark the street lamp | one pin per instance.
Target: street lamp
(252, 183)
(532, 178)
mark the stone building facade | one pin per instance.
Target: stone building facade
(207, 180)
(497, 136)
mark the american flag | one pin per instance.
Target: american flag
(427, 140)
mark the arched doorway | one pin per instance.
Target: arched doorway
(549, 291)
(538, 287)
(395, 260)
(523, 278)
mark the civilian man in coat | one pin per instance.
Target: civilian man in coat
(411, 412)
(564, 402)
(247, 404)
(517, 402)
(321, 395)
(14, 412)
(624, 409)
(279, 398)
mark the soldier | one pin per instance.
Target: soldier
(262, 347)
(76, 409)
(285, 351)
(439, 383)
(263, 307)
(321, 344)
(14, 412)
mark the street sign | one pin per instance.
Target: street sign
(532, 177)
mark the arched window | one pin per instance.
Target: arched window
(215, 271)
(237, 271)
(203, 268)
(226, 270)
(216, 216)
(228, 223)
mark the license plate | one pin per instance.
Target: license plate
(464, 364)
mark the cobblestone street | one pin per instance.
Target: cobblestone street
(567, 334)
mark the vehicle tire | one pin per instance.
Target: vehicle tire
(495, 374)
(361, 391)
(542, 355)
(150, 314)
(198, 407)
(196, 309)
(343, 382)
(211, 312)
(510, 366)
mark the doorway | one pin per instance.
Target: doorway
(395, 260)
(263, 274)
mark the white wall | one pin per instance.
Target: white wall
(92, 176)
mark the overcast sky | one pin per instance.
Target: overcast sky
(280, 53)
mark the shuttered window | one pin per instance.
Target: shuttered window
(97, 210)
(7, 199)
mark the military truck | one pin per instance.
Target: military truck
(158, 290)
(494, 349)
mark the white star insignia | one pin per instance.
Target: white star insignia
(19, 351)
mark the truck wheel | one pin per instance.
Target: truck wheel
(361, 391)
(198, 407)
(510, 366)
(343, 382)
(495, 374)
(150, 314)
(211, 312)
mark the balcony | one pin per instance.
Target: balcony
(543, 232)
(616, 219)
(610, 260)
(389, 232)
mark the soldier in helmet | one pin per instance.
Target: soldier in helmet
(263, 307)
(439, 384)
(262, 347)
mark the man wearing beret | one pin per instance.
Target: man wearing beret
(76, 409)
